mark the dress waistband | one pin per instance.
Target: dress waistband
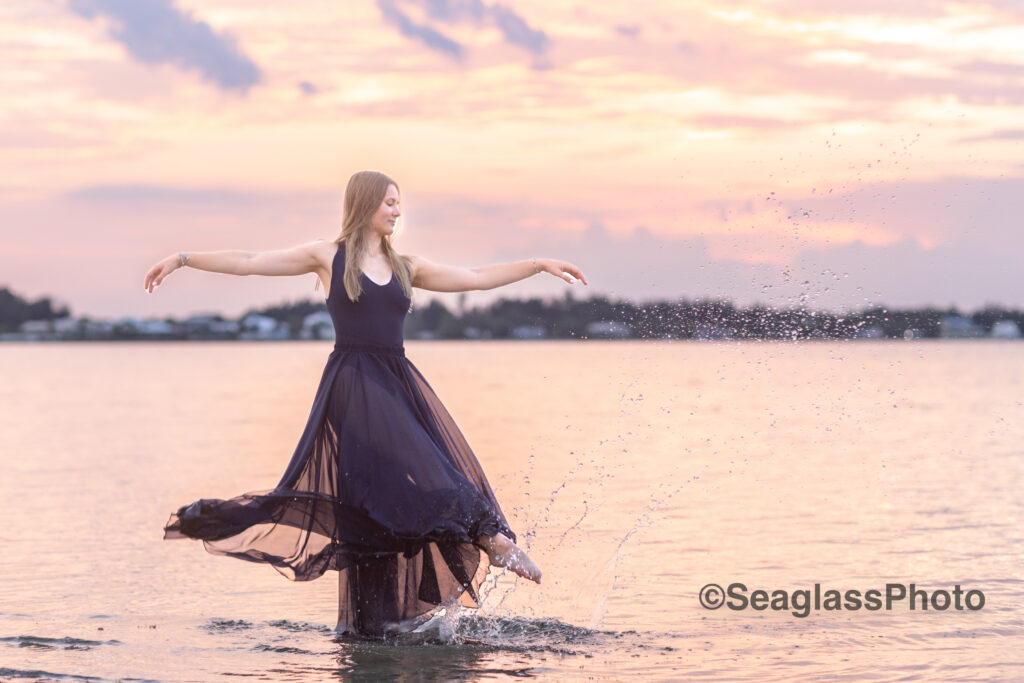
(371, 348)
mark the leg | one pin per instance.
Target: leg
(502, 552)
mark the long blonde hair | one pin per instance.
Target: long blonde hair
(363, 196)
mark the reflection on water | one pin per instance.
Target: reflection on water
(635, 473)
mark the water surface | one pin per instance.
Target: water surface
(634, 472)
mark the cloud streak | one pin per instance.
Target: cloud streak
(513, 27)
(427, 35)
(157, 32)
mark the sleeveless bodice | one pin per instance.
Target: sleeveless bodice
(375, 320)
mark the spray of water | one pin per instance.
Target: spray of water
(644, 519)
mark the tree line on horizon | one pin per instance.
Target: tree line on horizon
(569, 317)
(15, 310)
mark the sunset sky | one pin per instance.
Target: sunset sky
(826, 154)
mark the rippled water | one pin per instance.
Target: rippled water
(635, 472)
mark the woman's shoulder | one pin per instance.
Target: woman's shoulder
(323, 252)
(329, 247)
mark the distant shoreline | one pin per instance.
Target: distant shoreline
(567, 340)
(526, 319)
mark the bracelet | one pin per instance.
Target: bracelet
(535, 268)
(183, 258)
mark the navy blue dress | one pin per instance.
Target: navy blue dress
(382, 486)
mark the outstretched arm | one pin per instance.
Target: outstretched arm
(438, 277)
(297, 260)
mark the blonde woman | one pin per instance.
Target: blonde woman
(382, 487)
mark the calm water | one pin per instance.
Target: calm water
(635, 472)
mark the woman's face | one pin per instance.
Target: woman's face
(386, 216)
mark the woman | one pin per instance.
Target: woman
(382, 487)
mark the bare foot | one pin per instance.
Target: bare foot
(502, 552)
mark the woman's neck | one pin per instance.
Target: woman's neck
(372, 248)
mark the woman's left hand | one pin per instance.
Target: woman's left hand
(562, 269)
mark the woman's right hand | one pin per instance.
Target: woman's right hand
(159, 271)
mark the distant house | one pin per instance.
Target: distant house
(127, 323)
(608, 329)
(959, 327)
(255, 326)
(156, 328)
(529, 332)
(1006, 329)
(36, 327)
(97, 329)
(708, 332)
(65, 326)
(210, 327)
(473, 332)
(317, 326)
(33, 330)
(870, 332)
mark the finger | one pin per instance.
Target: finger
(576, 272)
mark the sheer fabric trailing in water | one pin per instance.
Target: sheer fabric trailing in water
(382, 488)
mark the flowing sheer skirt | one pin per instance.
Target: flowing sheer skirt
(382, 488)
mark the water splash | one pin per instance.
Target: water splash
(510, 634)
(644, 519)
